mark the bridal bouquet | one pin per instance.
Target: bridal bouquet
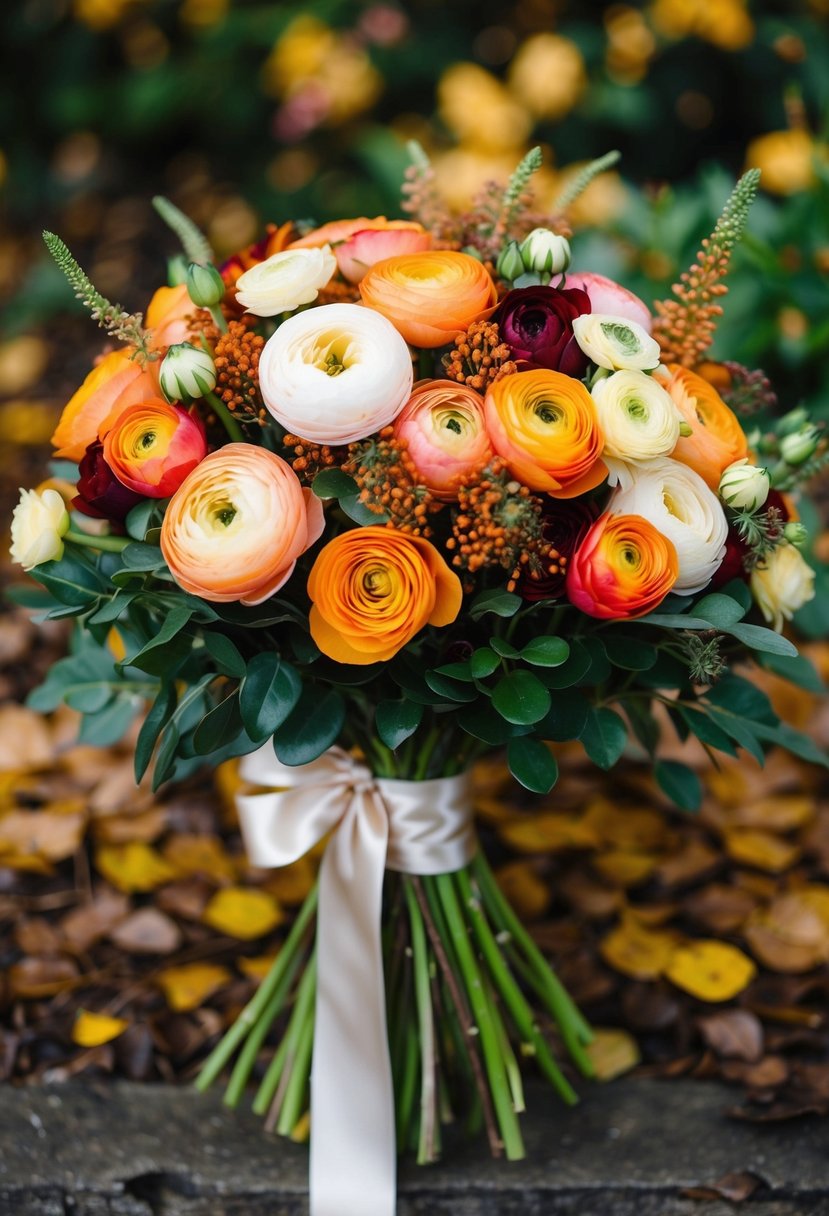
(367, 502)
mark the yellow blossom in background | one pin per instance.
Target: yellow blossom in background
(601, 203)
(726, 24)
(335, 72)
(202, 14)
(785, 159)
(481, 111)
(630, 43)
(102, 14)
(460, 172)
(548, 75)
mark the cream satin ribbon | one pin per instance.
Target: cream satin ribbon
(418, 827)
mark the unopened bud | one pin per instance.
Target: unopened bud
(186, 373)
(791, 422)
(799, 445)
(744, 486)
(685, 430)
(545, 252)
(510, 264)
(205, 286)
(795, 533)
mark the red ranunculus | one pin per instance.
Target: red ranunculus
(537, 325)
(100, 493)
(564, 523)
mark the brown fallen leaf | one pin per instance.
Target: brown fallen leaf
(25, 739)
(53, 836)
(789, 935)
(733, 1033)
(36, 977)
(736, 1187)
(147, 931)
(718, 907)
(36, 935)
(694, 861)
(85, 925)
(768, 1073)
(145, 826)
(528, 894)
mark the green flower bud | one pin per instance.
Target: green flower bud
(797, 447)
(205, 285)
(791, 422)
(176, 270)
(744, 486)
(186, 373)
(796, 533)
(510, 264)
(545, 252)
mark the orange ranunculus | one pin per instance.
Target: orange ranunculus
(235, 528)
(446, 438)
(373, 589)
(153, 446)
(544, 425)
(116, 383)
(167, 314)
(622, 569)
(716, 438)
(431, 296)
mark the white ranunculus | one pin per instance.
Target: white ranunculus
(638, 419)
(782, 584)
(39, 523)
(616, 342)
(285, 281)
(744, 486)
(335, 374)
(678, 502)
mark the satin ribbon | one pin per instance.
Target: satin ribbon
(417, 827)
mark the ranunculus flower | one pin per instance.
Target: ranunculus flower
(285, 281)
(432, 296)
(336, 231)
(235, 528)
(153, 446)
(115, 384)
(744, 486)
(679, 503)
(622, 569)
(335, 374)
(537, 325)
(638, 419)
(445, 433)
(168, 316)
(39, 523)
(100, 493)
(544, 425)
(716, 438)
(609, 297)
(616, 343)
(564, 522)
(373, 589)
(783, 583)
(274, 241)
(374, 243)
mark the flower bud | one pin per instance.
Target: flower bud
(545, 252)
(792, 421)
(205, 285)
(176, 270)
(796, 533)
(798, 446)
(744, 486)
(186, 373)
(39, 523)
(510, 264)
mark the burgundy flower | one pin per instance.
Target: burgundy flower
(100, 493)
(537, 325)
(564, 522)
(736, 550)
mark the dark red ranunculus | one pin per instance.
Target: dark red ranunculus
(565, 522)
(736, 550)
(100, 493)
(537, 325)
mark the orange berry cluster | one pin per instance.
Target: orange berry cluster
(389, 483)
(237, 371)
(479, 357)
(309, 458)
(685, 325)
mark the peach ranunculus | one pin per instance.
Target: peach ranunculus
(445, 433)
(609, 297)
(235, 528)
(117, 382)
(544, 425)
(373, 244)
(716, 438)
(167, 316)
(373, 589)
(622, 569)
(432, 296)
(152, 447)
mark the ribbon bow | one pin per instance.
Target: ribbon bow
(418, 827)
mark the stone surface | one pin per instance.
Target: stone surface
(630, 1149)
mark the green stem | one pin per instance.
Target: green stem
(426, 1024)
(110, 544)
(425, 755)
(408, 1083)
(298, 1083)
(218, 318)
(302, 1012)
(270, 1081)
(225, 417)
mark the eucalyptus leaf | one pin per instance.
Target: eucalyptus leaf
(680, 783)
(604, 737)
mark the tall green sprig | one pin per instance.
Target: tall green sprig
(193, 241)
(583, 179)
(517, 184)
(125, 326)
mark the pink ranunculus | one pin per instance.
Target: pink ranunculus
(445, 433)
(609, 297)
(372, 244)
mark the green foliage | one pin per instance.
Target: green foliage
(583, 178)
(115, 320)
(194, 243)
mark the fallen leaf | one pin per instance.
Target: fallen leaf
(736, 1188)
(25, 739)
(187, 986)
(733, 1034)
(640, 953)
(243, 912)
(623, 867)
(781, 813)
(37, 977)
(752, 847)
(84, 926)
(528, 894)
(186, 898)
(291, 885)
(93, 1029)
(53, 836)
(203, 855)
(710, 970)
(612, 1053)
(789, 935)
(256, 968)
(36, 935)
(547, 833)
(147, 931)
(695, 859)
(589, 897)
(719, 907)
(146, 826)
(133, 867)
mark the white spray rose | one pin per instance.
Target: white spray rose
(39, 523)
(678, 502)
(186, 373)
(744, 486)
(616, 342)
(285, 281)
(782, 584)
(638, 419)
(335, 374)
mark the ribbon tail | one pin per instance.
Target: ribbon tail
(353, 1142)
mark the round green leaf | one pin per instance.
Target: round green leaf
(531, 763)
(604, 737)
(397, 720)
(680, 783)
(546, 652)
(521, 698)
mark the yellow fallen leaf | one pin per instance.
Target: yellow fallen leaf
(631, 829)
(186, 987)
(194, 854)
(752, 847)
(710, 970)
(637, 951)
(243, 912)
(624, 868)
(93, 1029)
(528, 894)
(612, 1053)
(121, 829)
(256, 968)
(133, 866)
(781, 813)
(547, 833)
(817, 898)
(290, 885)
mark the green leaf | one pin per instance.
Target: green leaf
(113, 608)
(269, 692)
(28, 596)
(334, 483)
(604, 737)
(157, 718)
(360, 513)
(138, 556)
(680, 783)
(794, 741)
(743, 698)
(672, 620)
(799, 670)
(138, 520)
(504, 648)
(483, 662)
(500, 602)
(454, 690)
(219, 726)
(532, 764)
(706, 730)
(630, 654)
(720, 610)
(643, 724)
(396, 721)
(457, 671)
(520, 697)
(740, 730)
(311, 728)
(71, 580)
(759, 638)
(573, 671)
(565, 718)
(546, 652)
(80, 677)
(110, 724)
(225, 655)
(157, 655)
(481, 721)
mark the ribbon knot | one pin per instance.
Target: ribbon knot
(416, 827)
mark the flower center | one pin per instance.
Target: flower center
(624, 337)
(547, 413)
(533, 322)
(637, 411)
(376, 583)
(332, 353)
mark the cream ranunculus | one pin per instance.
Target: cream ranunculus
(744, 486)
(285, 281)
(782, 584)
(335, 374)
(616, 342)
(39, 523)
(679, 503)
(638, 419)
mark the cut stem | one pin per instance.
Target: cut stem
(108, 544)
(426, 1025)
(224, 415)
